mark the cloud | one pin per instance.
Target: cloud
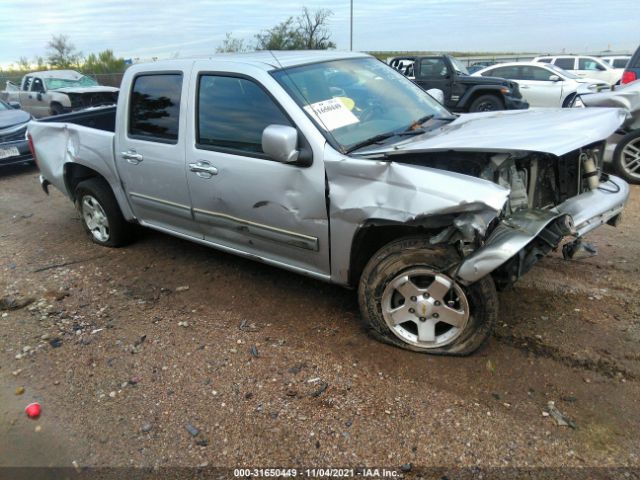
(144, 28)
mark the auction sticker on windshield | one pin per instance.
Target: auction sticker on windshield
(9, 152)
(332, 114)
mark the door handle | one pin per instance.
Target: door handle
(523, 87)
(132, 157)
(203, 169)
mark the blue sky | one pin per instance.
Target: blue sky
(142, 28)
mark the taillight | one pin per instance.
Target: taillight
(628, 76)
(32, 149)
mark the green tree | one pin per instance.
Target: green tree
(307, 31)
(62, 53)
(282, 36)
(230, 44)
(103, 62)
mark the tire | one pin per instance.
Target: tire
(626, 157)
(568, 102)
(424, 264)
(56, 109)
(486, 103)
(100, 214)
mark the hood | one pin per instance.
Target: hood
(96, 89)
(555, 131)
(481, 80)
(11, 118)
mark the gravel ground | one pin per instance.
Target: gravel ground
(166, 353)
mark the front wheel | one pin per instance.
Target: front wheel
(626, 157)
(100, 213)
(486, 103)
(408, 299)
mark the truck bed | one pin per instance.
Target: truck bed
(103, 118)
(86, 137)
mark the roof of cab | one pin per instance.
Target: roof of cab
(270, 59)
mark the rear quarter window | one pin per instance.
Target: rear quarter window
(154, 109)
(565, 63)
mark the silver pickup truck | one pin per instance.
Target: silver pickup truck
(336, 166)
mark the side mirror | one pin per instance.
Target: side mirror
(554, 78)
(15, 105)
(39, 96)
(437, 94)
(280, 142)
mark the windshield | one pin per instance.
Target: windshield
(358, 99)
(56, 83)
(4, 106)
(460, 68)
(564, 72)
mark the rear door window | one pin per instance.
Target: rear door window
(510, 73)
(154, 111)
(620, 62)
(589, 64)
(565, 63)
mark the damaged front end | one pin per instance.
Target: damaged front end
(550, 199)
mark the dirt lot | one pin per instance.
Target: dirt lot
(125, 348)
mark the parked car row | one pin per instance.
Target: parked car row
(546, 81)
(462, 92)
(544, 85)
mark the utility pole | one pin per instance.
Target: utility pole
(351, 29)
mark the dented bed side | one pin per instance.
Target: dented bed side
(59, 145)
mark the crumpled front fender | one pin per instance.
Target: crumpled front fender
(584, 213)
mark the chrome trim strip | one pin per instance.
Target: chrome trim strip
(159, 200)
(224, 248)
(266, 231)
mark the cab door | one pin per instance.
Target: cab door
(537, 88)
(243, 200)
(433, 72)
(150, 149)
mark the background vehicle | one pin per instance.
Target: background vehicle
(619, 62)
(58, 91)
(474, 67)
(544, 85)
(462, 92)
(13, 129)
(632, 70)
(336, 166)
(623, 148)
(583, 66)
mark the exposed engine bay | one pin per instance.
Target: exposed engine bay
(538, 182)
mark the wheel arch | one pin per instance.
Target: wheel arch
(74, 173)
(374, 234)
(474, 92)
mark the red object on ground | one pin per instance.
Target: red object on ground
(33, 410)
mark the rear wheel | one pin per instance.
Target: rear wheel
(100, 213)
(486, 103)
(409, 300)
(626, 157)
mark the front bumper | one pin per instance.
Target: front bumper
(512, 103)
(587, 211)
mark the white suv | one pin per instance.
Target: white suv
(583, 66)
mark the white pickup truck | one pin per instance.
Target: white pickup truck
(336, 166)
(54, 92)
